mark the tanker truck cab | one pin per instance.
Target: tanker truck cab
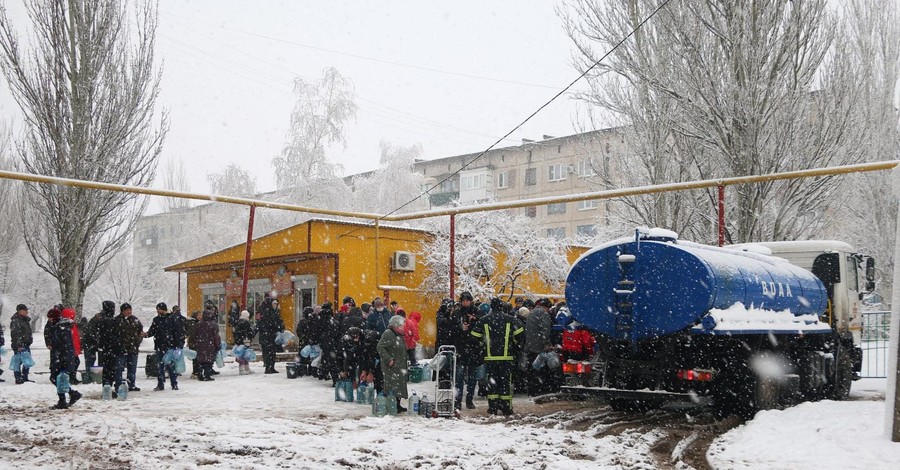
(743, 328)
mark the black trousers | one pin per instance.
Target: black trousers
(268, 353)
(108, 361)
(499, 386)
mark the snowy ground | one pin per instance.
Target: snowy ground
(267, 421)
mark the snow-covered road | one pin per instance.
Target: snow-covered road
(267, 421)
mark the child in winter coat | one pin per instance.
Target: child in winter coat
(412, 335)
(243, 334)
(63, 361)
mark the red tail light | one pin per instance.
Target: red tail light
(583, 368)
(568, 368)
(698, 375)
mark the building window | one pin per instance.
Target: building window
(449, 186)
(467, 182)
(559, 208)
(502, 180)
(587, 205)
(586, 231)
(530, 176)
(557, 233)
(586, 169)
(531, 212)
(556, 172)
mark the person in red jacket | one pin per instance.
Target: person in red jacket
(412, 335)
(577, 343)
(69, 313)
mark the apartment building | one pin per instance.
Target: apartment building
(554, 166)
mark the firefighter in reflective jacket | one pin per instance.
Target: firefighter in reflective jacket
(498, 331)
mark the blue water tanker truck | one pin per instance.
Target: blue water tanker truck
(743, 328)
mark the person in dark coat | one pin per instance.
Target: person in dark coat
(206, 341)
(2, 343)
(20, 338)
(304, 327)
(370, 361)
(88, 343)
(394, 361)
(469, 354)
(354, 319)
(243, 332)
(132, 332)
(538, 332)
(269, 324)
(63, 360)
(69, 313)
(189, 323)
(352, 350)
(167, 332)
(109, 341)
(378, 317)
(328, 337)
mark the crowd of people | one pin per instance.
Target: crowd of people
(496, 343)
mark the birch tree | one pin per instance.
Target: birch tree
(735, 88)
(393, 184)
(10, 234)
(87, 88)
(232, 181)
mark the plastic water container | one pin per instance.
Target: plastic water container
(107, 393)
(413, 407)
(362, 392)
(97, 373)
(426, 406)
(123, 392)
(391, 402)
(415, 374)
(379, 406)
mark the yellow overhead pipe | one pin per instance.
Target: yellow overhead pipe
(30, 177)
(652, 189)
(606, 194)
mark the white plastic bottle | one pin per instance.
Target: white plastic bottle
(413, 409)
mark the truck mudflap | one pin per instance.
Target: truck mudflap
(655, 396)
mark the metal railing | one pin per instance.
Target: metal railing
(875, 339)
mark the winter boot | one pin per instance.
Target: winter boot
(457, 404)
(470, 405)
(74, 396)
(61, 405)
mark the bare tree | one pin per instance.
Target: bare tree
(10, 234)
(394, 183)
(87, 90)
(319, 118)
(232, 181)
(734, 88)
(175, 178)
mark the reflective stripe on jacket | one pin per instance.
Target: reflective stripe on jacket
(499, 334)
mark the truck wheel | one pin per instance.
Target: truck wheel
(839, 386)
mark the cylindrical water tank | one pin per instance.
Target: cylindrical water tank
(651, 287)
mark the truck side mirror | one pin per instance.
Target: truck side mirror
(870, 271)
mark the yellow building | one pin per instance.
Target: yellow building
(318, 261)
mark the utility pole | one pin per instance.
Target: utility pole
(892, 395)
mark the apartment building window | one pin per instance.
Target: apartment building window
(467, 182)
(531, 212)
(557, 233)
(586, 231)
(559, 208)
(556, 172)
(587, 205)
(586, 169)
(449, 186)
(502, 180)
(530, 176)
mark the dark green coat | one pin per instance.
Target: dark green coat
(392, 346)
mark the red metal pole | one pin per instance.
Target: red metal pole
(246, 277)
(721, 215)
(452, 255)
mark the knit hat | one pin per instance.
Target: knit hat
(466, 295)
(396, 322)
(68, 313)
(108, 306)
(484, 308)
(245, 315)
(125, 306)
(162, 306)
(524, 312)
(53, 314)
(21, 307)
(496, 304)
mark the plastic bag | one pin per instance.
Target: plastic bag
(315, 362)
(283, 338)
(481, 372)
(220, 359)
(62, 383)
(179, 362)
(552, 360)
(189, 354)
(249, 355)
(3, 351)
(223, 346)
(15, 363)
(311, 351)
(437, 362)
(169, 357)
(26, 359)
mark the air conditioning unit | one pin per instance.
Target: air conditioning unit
(403, 261)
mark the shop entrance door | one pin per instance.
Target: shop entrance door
(304, 295)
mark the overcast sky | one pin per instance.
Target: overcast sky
(451, 76)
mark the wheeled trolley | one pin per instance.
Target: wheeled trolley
(445, 390)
